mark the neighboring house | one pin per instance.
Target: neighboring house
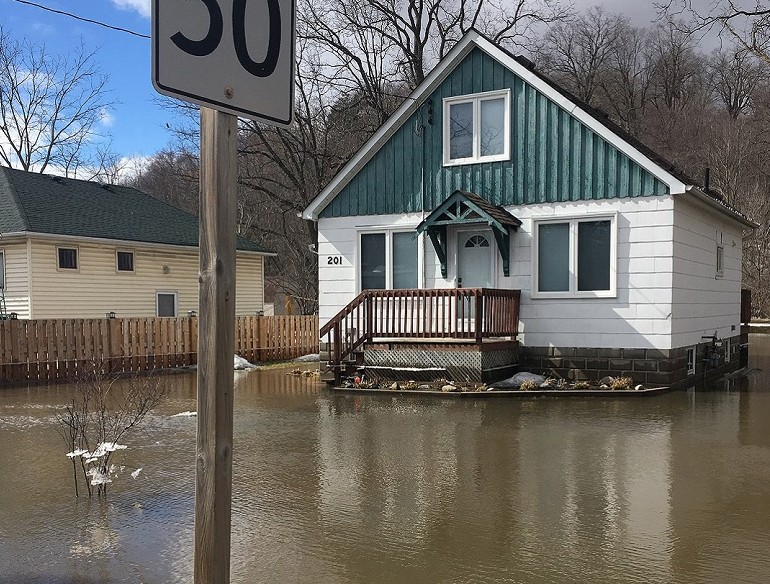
(77, 249)
(491, 176)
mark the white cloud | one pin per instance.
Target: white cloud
(140, 6)
(106, 118)
(133, 166)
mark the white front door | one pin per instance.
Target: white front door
(474, 259)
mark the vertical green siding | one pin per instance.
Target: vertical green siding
(554, 157)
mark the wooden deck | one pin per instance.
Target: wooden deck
(442, 315)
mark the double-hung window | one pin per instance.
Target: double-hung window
(388, 260)
(477, 128)
(575, 257)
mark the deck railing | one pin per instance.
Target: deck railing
(454, 313)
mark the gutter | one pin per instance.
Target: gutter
(716, 205)
(125, 242)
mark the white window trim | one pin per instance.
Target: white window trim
(476, 99)
(176, 302)
(691, 364)
(389, 254)
(77, 258)
(133, 261)
(3, 281)
(573, 221)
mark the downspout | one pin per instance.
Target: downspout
(421, 131)
(29, 278)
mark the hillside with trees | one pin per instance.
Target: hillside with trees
(357, 61)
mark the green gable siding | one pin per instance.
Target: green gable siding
(554, 157)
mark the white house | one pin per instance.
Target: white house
(492, 177)
(77, 249)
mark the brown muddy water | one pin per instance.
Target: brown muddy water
(378, 489)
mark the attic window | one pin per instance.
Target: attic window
(68, 258)
(477, 128)
(125, 261)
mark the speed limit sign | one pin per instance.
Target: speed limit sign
(236, 56)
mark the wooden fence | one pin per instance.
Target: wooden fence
(59, 349)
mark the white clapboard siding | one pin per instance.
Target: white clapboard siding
(639, 317)
(96, 287)
(16, 281)
(338, 237)
(705, 302)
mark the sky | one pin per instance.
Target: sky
(137, 122)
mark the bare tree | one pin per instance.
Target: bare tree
(678, 70)
(102, 412)
(171, 176)
(579, 52)
(370, 46)
(282, 169)
(736, 76)
(625, 87)
(746, 22)
(50, 107)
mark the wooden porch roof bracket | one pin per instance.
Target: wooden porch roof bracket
(465, 208)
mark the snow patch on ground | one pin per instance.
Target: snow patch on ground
(185, 415)
(518, 379)
(241, 364)
(136, 473)
(311, 358)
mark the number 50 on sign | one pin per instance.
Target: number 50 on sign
(236, 56)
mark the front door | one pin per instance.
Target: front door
(474, 259)
(474, 270)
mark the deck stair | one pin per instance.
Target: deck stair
(425, 331)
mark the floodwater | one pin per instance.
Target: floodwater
(350, 489)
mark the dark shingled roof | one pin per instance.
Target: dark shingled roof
(40, 203)
(494, 211)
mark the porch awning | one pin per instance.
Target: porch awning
(464, 208)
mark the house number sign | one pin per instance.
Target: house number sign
(334, 260)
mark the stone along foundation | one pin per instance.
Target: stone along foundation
(680, 367)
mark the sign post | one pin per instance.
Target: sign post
(216, 321)
(234, 58)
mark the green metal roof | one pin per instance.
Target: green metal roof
(39, 203)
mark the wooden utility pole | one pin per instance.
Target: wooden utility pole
(213, 475)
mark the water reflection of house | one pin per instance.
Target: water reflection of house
(490, 179)
(497, 492)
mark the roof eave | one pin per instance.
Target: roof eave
(709, 201)
(123, 242)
